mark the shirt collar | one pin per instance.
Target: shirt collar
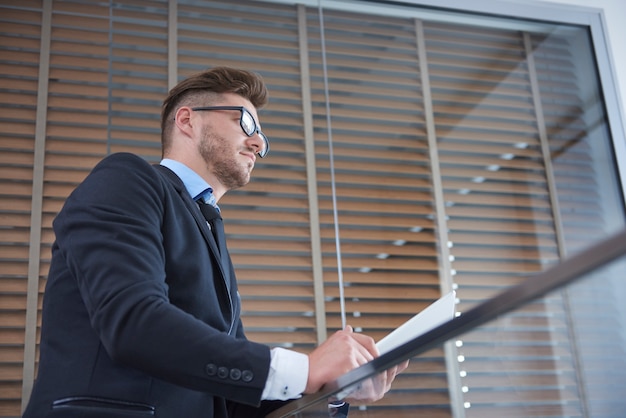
(195, 185)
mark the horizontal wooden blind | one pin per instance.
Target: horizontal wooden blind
(500, 220)
(20, 30)
(383, 191)
(138, 76)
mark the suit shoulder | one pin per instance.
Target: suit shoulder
(126, 167)
(124, 160)
(122, 174)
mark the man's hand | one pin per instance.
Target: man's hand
(343, 351)
(374, 388)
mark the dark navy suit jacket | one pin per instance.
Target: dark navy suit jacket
(140, 317)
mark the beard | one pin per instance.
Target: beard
(220, 157)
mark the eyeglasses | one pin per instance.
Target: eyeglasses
(247, 123)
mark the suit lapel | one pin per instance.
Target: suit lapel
(194, 210)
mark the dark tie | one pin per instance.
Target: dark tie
(213, 217)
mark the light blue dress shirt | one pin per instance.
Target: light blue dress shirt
(197, 187)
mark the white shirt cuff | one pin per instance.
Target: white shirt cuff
(289, 372)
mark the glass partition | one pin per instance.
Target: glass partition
(592, 367)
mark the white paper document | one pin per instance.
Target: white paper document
(434, 315)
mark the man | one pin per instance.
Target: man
(141, 309)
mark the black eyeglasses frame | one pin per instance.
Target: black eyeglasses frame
(255, 127)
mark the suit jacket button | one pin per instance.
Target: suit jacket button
(211, 369)
(247, 376)
(222, 372)
(235, 374)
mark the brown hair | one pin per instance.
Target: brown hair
(202, 89)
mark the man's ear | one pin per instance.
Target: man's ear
(184, 120)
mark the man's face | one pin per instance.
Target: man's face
(226, 150)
